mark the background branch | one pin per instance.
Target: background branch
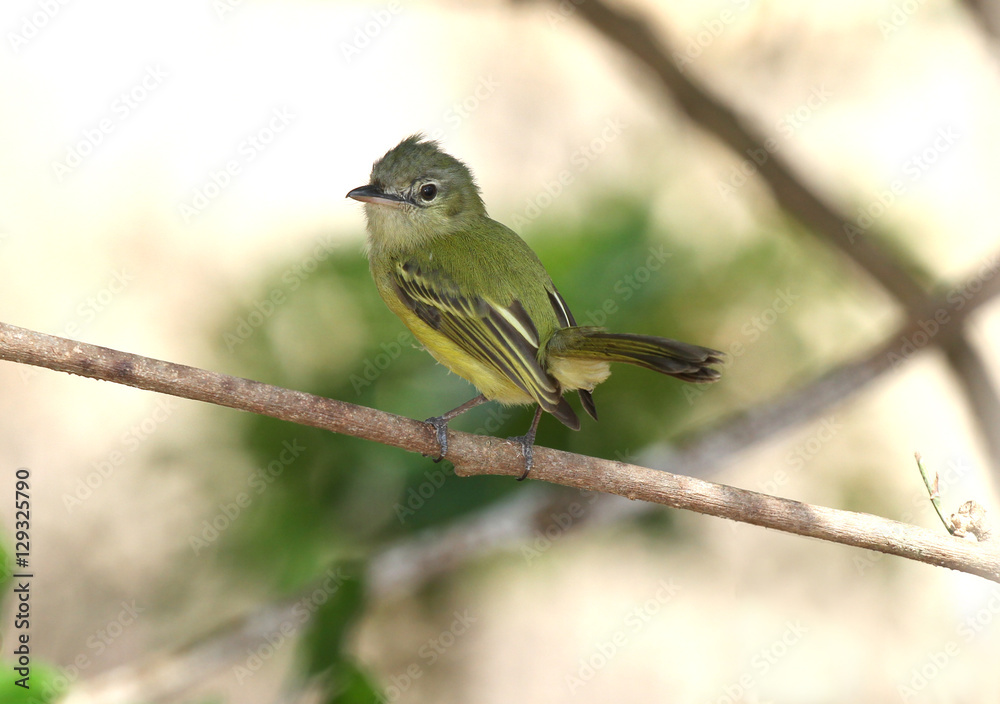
(986, 15)
(976, 382)
(766, 419)
(405, 565)
(171, 673)
(634, 35)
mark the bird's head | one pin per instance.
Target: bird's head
(416, 193)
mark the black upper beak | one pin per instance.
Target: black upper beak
(372, 194)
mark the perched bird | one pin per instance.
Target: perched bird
(480, 301)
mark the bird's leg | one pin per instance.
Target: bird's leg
(528, 442)
(440, 423)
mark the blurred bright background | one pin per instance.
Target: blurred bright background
(172, 184)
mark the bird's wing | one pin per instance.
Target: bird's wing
(502, 337)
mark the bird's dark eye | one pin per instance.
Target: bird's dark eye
(428, 191)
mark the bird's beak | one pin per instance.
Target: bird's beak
(371, 194)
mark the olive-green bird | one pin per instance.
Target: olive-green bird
(476, 296)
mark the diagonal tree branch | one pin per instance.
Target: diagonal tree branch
(634, 35)
(986, 15)
(976, 382)
(473, 454)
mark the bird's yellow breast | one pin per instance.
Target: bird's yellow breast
(493, 384)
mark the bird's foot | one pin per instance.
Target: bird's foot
(440, 425)
(527, 445)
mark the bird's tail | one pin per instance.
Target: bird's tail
(678, 359)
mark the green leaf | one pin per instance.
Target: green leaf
(322, 646)
(351, 685)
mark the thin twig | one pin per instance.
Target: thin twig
(933, 491)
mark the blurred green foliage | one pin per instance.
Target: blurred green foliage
(43, 688)
(328, 333)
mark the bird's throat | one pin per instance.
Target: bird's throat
(394, 231)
